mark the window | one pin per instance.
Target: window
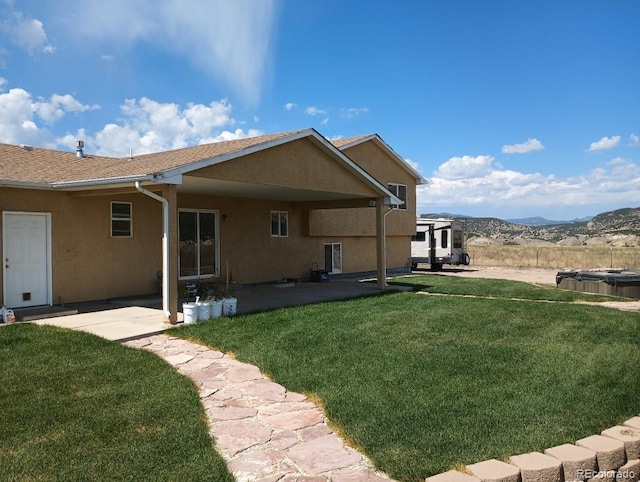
(279, 224)
(420, 236)
(400, 191)
(444, 239)
(121, 220)
(457, 239)
(198, 240)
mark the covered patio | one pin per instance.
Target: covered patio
(130, 318)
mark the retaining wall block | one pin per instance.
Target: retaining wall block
(577, 462)
(610, 452)
(629, 472)
(537, 467)
(629, 436)
(632, 422)
(452, 476)
(495, 471)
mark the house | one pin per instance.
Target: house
(78, 227)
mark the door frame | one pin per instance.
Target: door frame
(333, 268)
(49, 263)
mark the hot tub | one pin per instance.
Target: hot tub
(614, 282)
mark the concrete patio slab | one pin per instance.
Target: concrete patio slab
(114, 324)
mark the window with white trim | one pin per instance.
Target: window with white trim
(400, 191)
(279, 224)
(121, 220)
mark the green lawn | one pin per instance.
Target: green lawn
(495, 288)
(77, 407)
(422, 383)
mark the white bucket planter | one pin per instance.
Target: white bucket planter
(229, 306)
(216, 309)
(204, 310)
(190, 312)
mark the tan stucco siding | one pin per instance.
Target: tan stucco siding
(254, 256)
(246, 244)
(356, 222)
(87, 263)
(359, 253)
(298, 164)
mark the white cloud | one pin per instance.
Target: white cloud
(529, 146)
(151, 126)
(230, 41)
(487, 188)
(231, 136)
(413, 164)
(635, 139)
(314, 111)
(465, 167)
(57, 106)
(290, 105)
(324, 121)
(19, 114)
(3, 83)
(354, 111)
(26, 33)
(604, 143)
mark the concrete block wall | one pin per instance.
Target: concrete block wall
(614, 455)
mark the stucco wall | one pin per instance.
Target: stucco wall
(358, 222)
(254, 256)
(90, 265)
(295, 164)
(87, 264)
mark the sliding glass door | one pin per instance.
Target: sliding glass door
(199, 246)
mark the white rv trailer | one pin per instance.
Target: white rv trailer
(438, 242)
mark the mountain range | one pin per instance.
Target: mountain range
(612, 228)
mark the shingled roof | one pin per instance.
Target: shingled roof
(38, 166)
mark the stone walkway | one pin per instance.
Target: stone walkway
(264, 433)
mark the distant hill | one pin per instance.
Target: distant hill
(538, 221)
(615, 228)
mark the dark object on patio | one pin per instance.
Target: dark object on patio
(318, 275)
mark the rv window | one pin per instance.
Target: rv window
(457, 239)
(444, 239)
(419, 236)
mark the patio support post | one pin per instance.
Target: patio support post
(381, 249)
(170, 193)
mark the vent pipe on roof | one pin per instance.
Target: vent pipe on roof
(79, 147)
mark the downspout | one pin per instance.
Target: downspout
(165, 246)
(384, 224)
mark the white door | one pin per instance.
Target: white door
(26, 259)
(333, 257)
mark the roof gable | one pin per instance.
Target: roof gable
(46, 168)
(348, 142)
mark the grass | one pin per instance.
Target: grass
(421, 384)
(77, 407)
(495, 288)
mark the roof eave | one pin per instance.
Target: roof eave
(24, 184)
(98, 183)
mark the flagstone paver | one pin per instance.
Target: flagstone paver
(264, 433)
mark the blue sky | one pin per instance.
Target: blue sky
(509, 108)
